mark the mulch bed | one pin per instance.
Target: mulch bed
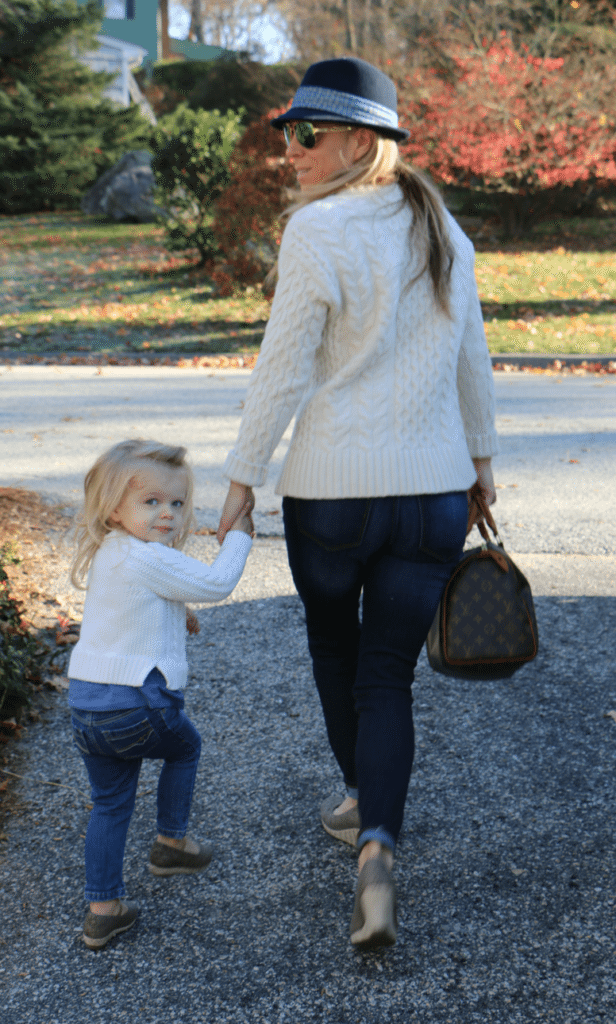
(25, 516)
(35, 571)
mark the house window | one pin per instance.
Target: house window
(120, 10)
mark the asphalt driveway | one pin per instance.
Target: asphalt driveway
(505, 868)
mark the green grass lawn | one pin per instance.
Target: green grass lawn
(560, 300)
(72, 283)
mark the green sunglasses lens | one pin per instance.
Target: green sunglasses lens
(304, 133)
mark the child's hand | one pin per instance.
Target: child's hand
(244, 520)
(192, 622)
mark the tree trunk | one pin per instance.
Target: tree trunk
(514, 212)
(365, 36)
(195, 31)
(163, 35)
(351, 35)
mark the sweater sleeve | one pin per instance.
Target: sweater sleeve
(178, 577)
(476, 381)
(307, 289)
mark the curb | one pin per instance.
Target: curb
(502, 362)
(233, 362)
(510, 362)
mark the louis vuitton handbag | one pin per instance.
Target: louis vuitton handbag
(485, 626)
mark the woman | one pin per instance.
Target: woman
(376, 343)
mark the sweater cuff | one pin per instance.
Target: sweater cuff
(243, 472)
(482, 446)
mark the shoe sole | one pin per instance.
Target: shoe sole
(348, 835)
(165, 872)
(99, 943)
(378, 908)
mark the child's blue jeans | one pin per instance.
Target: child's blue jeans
(113, 744)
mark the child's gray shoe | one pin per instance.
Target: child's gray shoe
(167, 860)
(99, 928)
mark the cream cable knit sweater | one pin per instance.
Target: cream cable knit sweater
(391, 396)
(134, 617)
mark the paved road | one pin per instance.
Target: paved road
(506, 865)
(556, 465)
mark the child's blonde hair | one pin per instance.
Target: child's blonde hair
(105, 485)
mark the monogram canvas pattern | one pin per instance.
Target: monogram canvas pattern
(485, 626)
(485, 618)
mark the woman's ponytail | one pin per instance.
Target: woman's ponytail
(430, 225)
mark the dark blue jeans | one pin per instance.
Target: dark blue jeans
(396, 555)
(113, 745)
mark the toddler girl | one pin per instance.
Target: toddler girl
(128, 670)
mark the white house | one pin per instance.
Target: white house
(120, 59)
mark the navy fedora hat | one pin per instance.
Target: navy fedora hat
(348, 90)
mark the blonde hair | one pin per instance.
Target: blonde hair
(104, 487)
(382, 165)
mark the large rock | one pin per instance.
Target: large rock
(124, 192)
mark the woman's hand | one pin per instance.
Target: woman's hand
(485, 480)
(483, 468)
(240, 500)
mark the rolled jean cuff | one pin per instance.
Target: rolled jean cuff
(379, 835)
(170, 833)
(353, 792)
(91, 896)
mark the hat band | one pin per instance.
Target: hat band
(344, 104)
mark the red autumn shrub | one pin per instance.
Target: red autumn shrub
(522, 128)
(246, 216)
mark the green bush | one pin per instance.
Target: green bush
(225, 84)
(57, 133)
(192, 149)
(18, 648)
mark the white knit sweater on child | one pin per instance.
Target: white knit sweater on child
(134, 617)
(391, 396)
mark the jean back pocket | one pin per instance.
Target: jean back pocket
(335, 524)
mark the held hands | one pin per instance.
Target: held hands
(244, 522)
(236, 513)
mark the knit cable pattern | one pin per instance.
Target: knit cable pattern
(391, 396)
(134, 617)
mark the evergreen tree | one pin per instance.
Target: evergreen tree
(57, 133)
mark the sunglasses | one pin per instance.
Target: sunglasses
(306, 133)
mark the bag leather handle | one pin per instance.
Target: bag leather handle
(479, 514)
